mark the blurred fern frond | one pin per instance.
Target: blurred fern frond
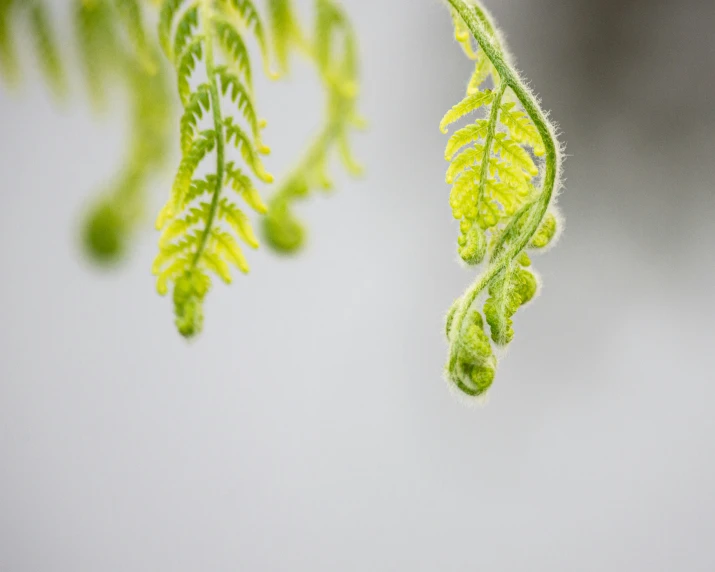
(201, 228)
(35, 13)
(504, 171)
(220, 133)
(115, 51)
(333, 48)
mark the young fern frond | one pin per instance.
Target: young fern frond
(42, 35)
(334, 50)
(120, 209)
(504, 171)
(131, 16)
(107, 54)
(286, 32)
(201, 227)
(98, 44)
(8, 58)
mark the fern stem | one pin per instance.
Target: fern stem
(206, 20)
(489, 140)
(478, 24)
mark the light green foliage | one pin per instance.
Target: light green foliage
(132, 18)
(122, 207)
(201, 228)
(107, 32)
(208, 44)
(333, 48)
(114, 51)
(46, 45)
(508, 291)
(285, 31)
(97, 44)
(38, 19)
(504, 169)
(8, 63)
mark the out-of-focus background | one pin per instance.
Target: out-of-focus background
(309, 427)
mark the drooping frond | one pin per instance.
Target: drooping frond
(8, 61)
(98, 45)
(121, 207)
(46, 47)
(334, 50)
(107, 33)
(247, 12)
(230, 84)
(235, 49)
(503, 171)
(201, 226)
(285, 31)
(35, 12)
(132, 18)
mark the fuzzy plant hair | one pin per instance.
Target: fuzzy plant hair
(505, 171)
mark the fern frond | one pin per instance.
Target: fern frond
(469, 134)
(200, 227)
(194, 110)
(185, 66)
(469, 104)
(510, 151)
(131, 16)
(42, 34)
(238, 221)
(243, 185)
(240, 95)
(247, 11)
(482, 70)
(501, 195)
(464, 37)
(521, 128)
(200, 148)
(167, 15)
(8, 58)
(334, 51)
(285, 31)
(121, 208)
(512, 288)
(107, 33)
(248, 149)
(98, 46)
(227, 248)
(235, 49)
(185, 30)
(47, 48)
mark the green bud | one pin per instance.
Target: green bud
(474, 246)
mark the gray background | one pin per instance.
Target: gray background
(309, 427)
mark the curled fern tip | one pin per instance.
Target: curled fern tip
(504, 169)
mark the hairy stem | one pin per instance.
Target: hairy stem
(479, 25)
(489, 139)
